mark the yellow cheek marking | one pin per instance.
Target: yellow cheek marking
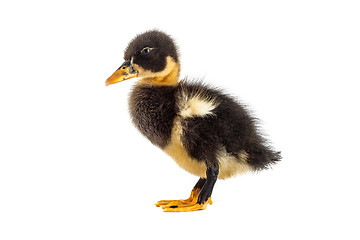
(168, 76)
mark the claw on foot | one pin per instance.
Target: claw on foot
(192, 199)
(187, 207)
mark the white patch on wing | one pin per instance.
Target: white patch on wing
(196, 106)
(200, 104)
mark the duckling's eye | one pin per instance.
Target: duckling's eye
(146, 50)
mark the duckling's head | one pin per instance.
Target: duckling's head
(153, 57)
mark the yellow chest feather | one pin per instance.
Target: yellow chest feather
(228, 165)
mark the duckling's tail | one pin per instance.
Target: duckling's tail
(262, 156)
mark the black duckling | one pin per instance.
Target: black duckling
(205, 131)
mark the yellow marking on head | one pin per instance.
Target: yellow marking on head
(168, 76)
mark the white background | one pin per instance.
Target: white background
(72, 166)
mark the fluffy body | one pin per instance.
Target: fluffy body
(207, 132)
(199, 127)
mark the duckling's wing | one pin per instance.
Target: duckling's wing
(218, 130)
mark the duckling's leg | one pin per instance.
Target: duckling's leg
(204, 196)
(192, 199)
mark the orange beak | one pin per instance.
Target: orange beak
(124, 72)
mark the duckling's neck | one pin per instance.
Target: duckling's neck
(168, 77)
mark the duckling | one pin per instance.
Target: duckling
(207, 132)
